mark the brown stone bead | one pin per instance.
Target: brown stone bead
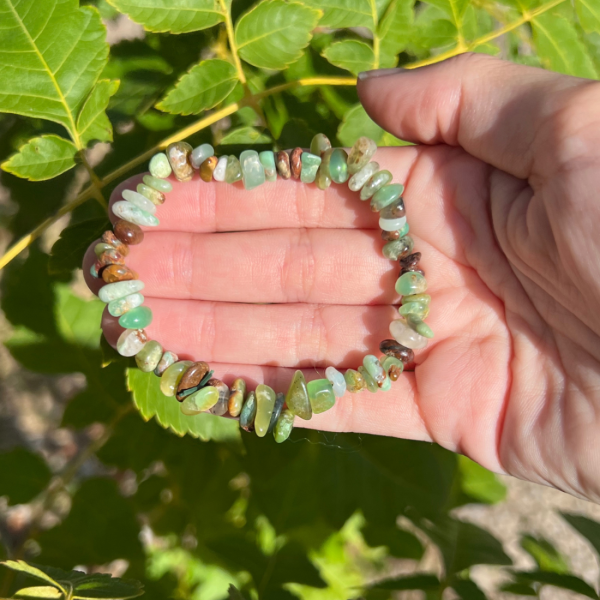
(283, 164)
(393, 348)
(411, 270)
(114, 273)
(394, 211)
(108, 237)
(178, 155)
(192, 377)
(394, 373)
(207, 168)
(390, 236)
(110, 257)
(128, 233)
(296, 162)
(410, 261)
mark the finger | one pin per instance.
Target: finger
(494, 109)
(216, 206)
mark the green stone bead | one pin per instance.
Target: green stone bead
(388, 361)
(149, 356)
(101, 248)
(172, 376)
(159, 166)
(284, 426)
(404, 230)
(153, 195)
(310, 166)
(377, 181)
(267, 160)
(355, 382)
(320, 144)
(253, 173)
(94, 271)
(418, 309)
(411, 283)
(119, 289)
(297, 397)
(160, 185)
(374, 369)
(360, 154)
(200, 401)
(397, 249)
(386, 386)
(370, 382)
(419, 326)
(265, 403)
(279, 402)
(320, 394)
(136, 318)
(233, 171)
(236, 397)
(422, 298)
(248, 412)
(120, 306)
(386, 195)
(338, 166)
(166, 360)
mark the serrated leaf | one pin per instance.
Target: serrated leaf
(561, 580)
(52, 53)
(42, 591)
(93, 124)
(42, 158)
(245, 135)
(455, 9)
(344, 13)
(202, 87)
(479, 483)
(352, 55)
(356, 123)
(174, 16)
(23, 475)
(272, 34)
(394, 31)
(151, 402)
(588, 12)
(78, 320)
(47, 574)
(68, 251)
(559, 47)
(588, 528)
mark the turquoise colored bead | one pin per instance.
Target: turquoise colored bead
(404, 230)
(136, 318)
(375, 182)
(419, 326)
(418, 309)
(388, 361)
(149, 356)
(159, 166)
(130, 212)
(139, 200)
(172, 376)
(267, 160)
(248, 412)
(411, 283)
(200, 401)
(120, 306)
(373, 366)
(161, 185)
(199, 154)
(94, 271)
(398, 248)
(297, 399)
(338, 166)
(386, 195)
(337, 381)
(310, 166)
(284, 426)
(119, 289)
(253, 173)
(320, 394)
(319, 144)
(369, 381)
(265, 403)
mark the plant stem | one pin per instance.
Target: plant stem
(232, 44)
(96, 184)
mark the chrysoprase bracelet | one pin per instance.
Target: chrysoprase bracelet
(263, 410)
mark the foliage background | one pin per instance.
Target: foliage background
(323, 516)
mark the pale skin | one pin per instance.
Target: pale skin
(501, 197)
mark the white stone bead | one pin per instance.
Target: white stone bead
(119, 289)
(200, 154)
(130, 342)
(337, 381)
(361, 177)
(140, 201)
(406, 336)
(219, 172)
(392, 224)
(130, 212)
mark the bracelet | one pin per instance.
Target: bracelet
(263, 410)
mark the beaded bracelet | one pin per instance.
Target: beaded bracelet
(262, 410)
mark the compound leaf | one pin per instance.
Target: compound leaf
(352, 55)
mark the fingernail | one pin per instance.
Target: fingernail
(379, 73)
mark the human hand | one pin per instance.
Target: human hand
(500, 205)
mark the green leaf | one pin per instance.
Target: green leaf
(422, 581)
(547, 557)
(174, 16)
(245, 135)
(151, 402)
(394, 31)
(352, 55)
(93, 124)
(52, 53)
(44, 591)
(272, 34)
(46, 574)
(559, 47)
(68, 251)
(560, 580)
(344, 13)
(479, 483)
(356, 122)
(42, 158)
(455, 9)
(23, 475)
(203, 86)
(78, 320)
(467, 589)
(400, 543)
(588, 12)
(588, 528)
(520, 589)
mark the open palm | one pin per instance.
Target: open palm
(501, 208)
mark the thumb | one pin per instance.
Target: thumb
(494, 109)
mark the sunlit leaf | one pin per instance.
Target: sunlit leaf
(547, 557)
(394, 31)
(352, 55)
(479, 483)
(344, 13)
(588, 12)
(43, 591)
(245, 135)
(273, 33)
(23, 475)
(357, 123)
(42, 158)
(93, 124)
